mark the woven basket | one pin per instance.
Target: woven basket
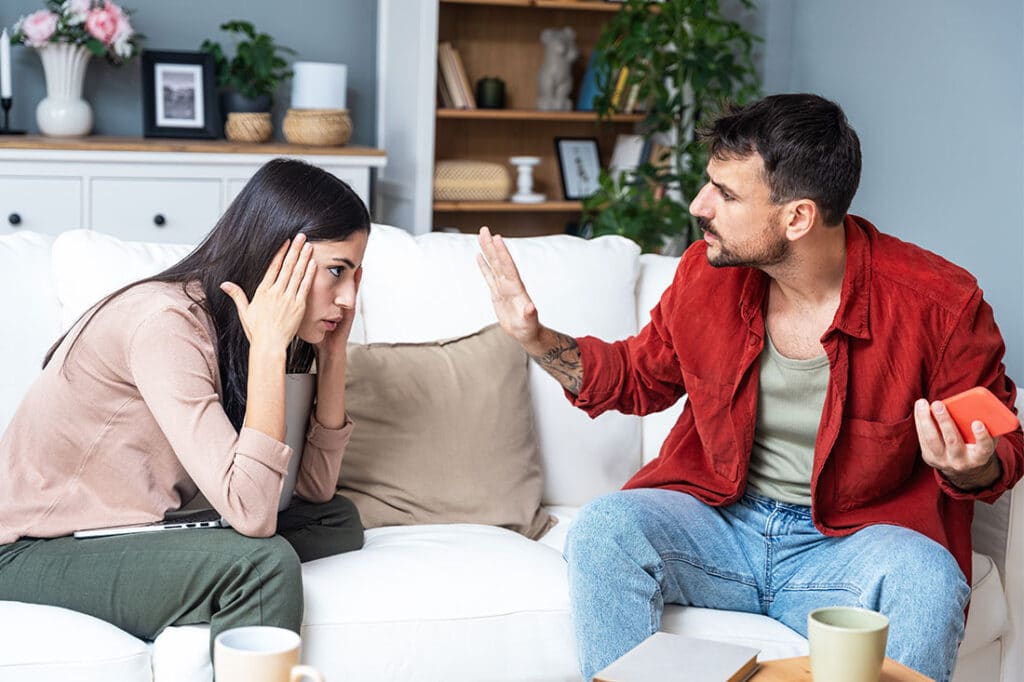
(248, 127)
(471, 181)
(321, 127)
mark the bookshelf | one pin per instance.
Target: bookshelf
(497, 38)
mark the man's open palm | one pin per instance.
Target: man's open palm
(515, 309)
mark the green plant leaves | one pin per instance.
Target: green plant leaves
(687, 60)
(257, 67)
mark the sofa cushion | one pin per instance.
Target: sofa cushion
(452, 602)
(32, 313)
(50, 644)
(444, 434)
(429, 287)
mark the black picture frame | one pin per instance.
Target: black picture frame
(179, 95)
(579, 165)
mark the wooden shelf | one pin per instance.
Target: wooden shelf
(137, 144)
(534, 115)
(507, 207)
(580, 5)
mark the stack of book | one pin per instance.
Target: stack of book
(454, 88)
(625, 97)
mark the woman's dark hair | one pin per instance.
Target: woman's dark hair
(284, 197)
(808, 147)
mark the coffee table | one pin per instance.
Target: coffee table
(799, 670)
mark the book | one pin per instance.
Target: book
(464, 84)
(588, 86)
(664, 657)
(446, 68)
(618, 94)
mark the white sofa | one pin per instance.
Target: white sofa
(443, 602)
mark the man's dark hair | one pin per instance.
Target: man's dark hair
(808, 147)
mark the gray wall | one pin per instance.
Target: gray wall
(342, 31)
(935, 89)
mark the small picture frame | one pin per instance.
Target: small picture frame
(179, 92)
(579, 161)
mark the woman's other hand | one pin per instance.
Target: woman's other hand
(273, 315)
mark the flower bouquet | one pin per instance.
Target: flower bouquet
(100, 26)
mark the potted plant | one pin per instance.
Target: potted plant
(685, 59)
(249, 78)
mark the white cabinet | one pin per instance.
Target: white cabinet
(39, 203)
(145, 190)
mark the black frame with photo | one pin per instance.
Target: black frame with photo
(206, 120)
(571, 181)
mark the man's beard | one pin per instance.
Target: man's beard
(772, 249)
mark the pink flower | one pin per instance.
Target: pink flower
(75, 11)
(38, 27)
(104, 23)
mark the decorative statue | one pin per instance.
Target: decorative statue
(554, 82)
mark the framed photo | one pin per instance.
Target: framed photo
(179, 94)
(580, 165)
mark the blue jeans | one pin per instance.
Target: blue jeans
(632, 552)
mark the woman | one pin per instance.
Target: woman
(174, 384)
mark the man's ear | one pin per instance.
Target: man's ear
(799, 216)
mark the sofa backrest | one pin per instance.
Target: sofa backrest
(31, 314)
(414, 289)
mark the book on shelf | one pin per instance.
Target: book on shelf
(619, 92)
(588, 86)
(456, 81)
(664, 656)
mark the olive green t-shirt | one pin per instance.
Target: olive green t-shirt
(789, 403)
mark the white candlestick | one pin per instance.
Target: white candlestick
(5, 65)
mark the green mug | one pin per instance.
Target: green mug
(847, 644)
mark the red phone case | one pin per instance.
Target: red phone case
(978, 403)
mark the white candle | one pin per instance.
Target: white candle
(318, 85)
(5, 65)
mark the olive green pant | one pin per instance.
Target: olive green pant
(144, 582)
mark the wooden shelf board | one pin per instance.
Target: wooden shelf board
(507, 207)
(581, 5)
(138, 144)
(533, 115)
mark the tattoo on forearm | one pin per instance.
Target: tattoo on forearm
(563, 363)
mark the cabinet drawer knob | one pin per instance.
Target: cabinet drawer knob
(159, 220)
(14, 219)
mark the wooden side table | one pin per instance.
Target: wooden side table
(799, 670)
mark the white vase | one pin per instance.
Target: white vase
(63, 112)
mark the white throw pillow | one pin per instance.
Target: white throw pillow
(429, 287)
(88, 265)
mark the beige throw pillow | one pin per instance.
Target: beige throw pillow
(443, 434)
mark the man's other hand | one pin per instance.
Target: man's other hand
(967, 466)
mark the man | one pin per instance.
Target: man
(814, 462)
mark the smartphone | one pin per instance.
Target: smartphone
(978, 403)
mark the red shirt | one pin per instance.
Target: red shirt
(909, 325)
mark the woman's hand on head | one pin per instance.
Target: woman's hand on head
(273, 315)
(335, 342)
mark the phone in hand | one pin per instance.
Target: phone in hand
(979, 403)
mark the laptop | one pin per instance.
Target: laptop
(299, 391)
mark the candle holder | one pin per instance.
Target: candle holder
(5, 103)
(524, 180)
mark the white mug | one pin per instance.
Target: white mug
(847, 644)
(259, 653)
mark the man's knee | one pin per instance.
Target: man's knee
(914, 567)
